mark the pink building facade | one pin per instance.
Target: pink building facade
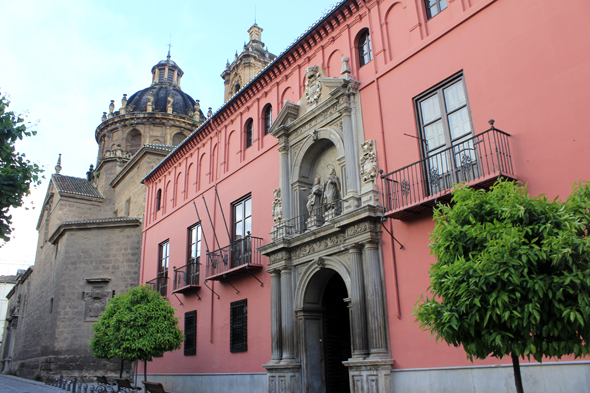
(274, 234)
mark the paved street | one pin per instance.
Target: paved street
(10, 384)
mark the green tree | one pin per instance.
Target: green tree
(136, 325)
(512, 275)
(17, 174)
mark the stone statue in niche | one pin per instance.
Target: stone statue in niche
(313, 203)
(170, 101)
(313, 87)
(96, 301)
(277, 206)
(332, 194)
(368, 162)
(150, 101)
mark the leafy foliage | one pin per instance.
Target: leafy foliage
(17, 174)
(136, 325)
(513, 273)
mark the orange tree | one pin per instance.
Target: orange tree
(512, 275)
(136, 325)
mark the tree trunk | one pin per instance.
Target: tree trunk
(144, 375)
(121, 372)
(517, 379)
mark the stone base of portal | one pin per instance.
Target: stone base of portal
(283, 378)
(370, 375)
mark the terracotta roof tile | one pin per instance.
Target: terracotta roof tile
(75, 185)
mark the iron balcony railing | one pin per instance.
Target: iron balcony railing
(480, 158)
(187, 275)
(298, 225)
(242, 252)
(160, 284)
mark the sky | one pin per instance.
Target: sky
(62, 61)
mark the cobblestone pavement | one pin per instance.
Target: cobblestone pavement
(10, 384)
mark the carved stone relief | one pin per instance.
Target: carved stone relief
(313, 87)
(96, 301)
(368, 162)
(277, 206)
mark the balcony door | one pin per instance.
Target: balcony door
(164, 256)
(194, 255)
(242, 230)
(445, 124)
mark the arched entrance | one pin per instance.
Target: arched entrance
(326, 334)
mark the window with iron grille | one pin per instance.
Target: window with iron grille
(238, 336)
(190, 333)
(433, 7)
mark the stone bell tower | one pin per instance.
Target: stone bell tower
(248, 64)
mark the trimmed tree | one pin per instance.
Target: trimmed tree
(512, 275)
(136, 325)
(17, 174)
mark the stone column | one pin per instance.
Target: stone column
(285, 180)
(352, 175)
(360, 348)
(287, 332)
(375, 302)
(275, 315)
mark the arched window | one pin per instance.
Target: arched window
(177, 139)
(433, 7)
(159, 199)
(134, 142)
(249, 133)
(364, 48)
(236, 88)
(267, 119)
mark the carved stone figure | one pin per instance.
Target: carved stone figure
(150, 102)
(313, 87)
(104, 116)
(210, 112)
(315, 195)
(368, 162)
(112, 109)
(277, 206)
(197, 110)
(170, 101)
(123, 104)
(90, 173)
(332, 190)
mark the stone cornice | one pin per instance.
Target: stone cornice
(101, 223)
(138, 156)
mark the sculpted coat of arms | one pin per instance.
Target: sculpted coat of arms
(313, 87)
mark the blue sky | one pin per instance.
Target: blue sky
(63, 61)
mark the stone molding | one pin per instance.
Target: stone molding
(93, 224)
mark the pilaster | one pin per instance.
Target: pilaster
(375, 303)
(360, 348)
(287, 331)
(275, 316)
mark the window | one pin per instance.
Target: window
(249, 133)
(242, 218)
(158, 199)
(194, 254)
(134, 142)
(364, 48)
(433, 7)
(267, 119)
(177, 139)
(190, 333)
(164, 254)
(238, 336)
(445, 122)
(241, 232)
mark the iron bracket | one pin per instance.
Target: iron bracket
(205, 283)
(383, 219)
(252, 274)
(228, 283)
(178, 299)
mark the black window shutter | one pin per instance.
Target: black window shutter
(190, 333)
(238, 338)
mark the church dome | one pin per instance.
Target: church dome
(166, 76)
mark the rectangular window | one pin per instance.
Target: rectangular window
(190, 333)
(194, 255)
(433, 7)
(238, 337)
(446, 133)
(164, 254)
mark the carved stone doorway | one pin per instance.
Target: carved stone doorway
(326, 334)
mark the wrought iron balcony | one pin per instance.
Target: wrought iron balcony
(186, 277)
(478, 160)
(307, 221)
(236, 258)
(160, 284)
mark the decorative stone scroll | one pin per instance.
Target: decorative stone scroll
(277, 207)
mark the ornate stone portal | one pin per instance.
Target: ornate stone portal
(323, 168)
